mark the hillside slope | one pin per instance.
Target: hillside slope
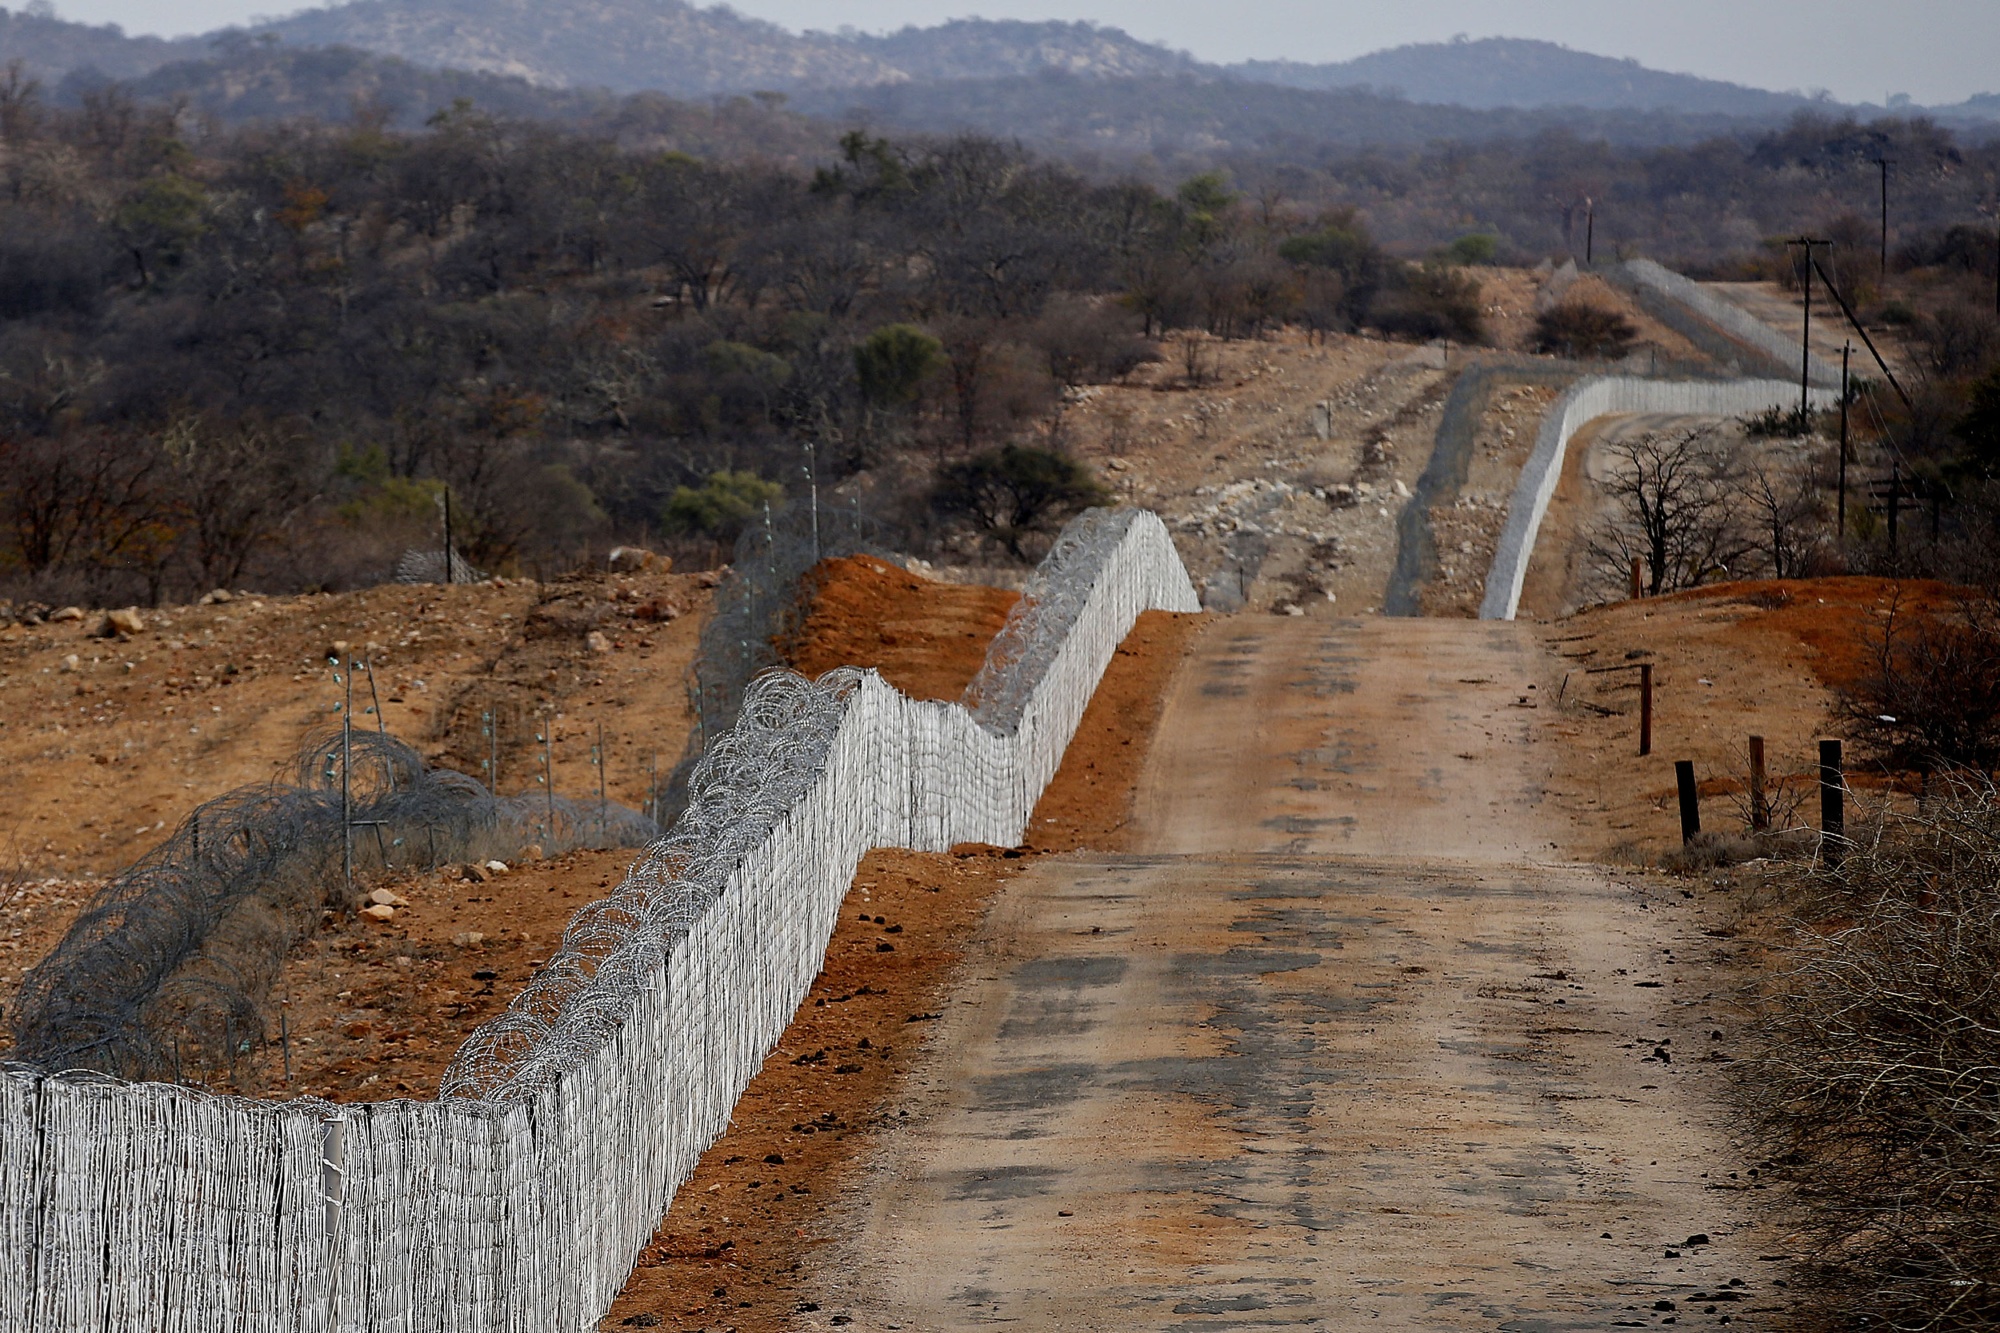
(624, 45)
(1510, 72)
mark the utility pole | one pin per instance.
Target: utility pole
(1589, 232)
(1805, 333)
(1840, 523)
(1885, 163)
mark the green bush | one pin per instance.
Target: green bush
(893, 362)
(1431, 301)
(721, 506)
(1342, 248)
(1474, 250)
(1014, 493)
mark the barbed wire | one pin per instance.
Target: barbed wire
(167, 972)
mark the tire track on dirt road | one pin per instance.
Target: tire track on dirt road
(1339, 1039)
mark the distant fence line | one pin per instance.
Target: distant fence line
(520, 1199)
(1740, 326)
(1581, 403)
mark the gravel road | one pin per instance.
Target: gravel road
(1336, 1042)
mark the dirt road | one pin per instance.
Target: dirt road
(1335, 1043)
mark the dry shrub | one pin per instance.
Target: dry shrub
(1578, 329)
(1930, 698)
(1875, 1079)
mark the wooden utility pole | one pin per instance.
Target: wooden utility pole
(1885, 163)
(1895, 500)
(1805, 333)
(1638, 578)
(1840, 518)
(1589, 232)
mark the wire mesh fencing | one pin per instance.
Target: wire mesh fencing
(167, 973)
(521, 1197)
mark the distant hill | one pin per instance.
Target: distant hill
(49, 48)
(1190, 119)
(1510, 72)
(985, 49)
(623, 45)
(256, 81)
(1111, 90)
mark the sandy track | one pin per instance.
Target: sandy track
(1336, 1044)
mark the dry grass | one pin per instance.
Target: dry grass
(1876, 1084)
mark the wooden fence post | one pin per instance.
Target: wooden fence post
(1645, 709)
(1690, 800)
(1638, 579)
(1760, 807)
(1832, 803)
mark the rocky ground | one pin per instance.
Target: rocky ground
(111, 741)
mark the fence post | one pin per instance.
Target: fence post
(1760, 808)
(1832, 803)
(333, 1190)
(1638, 581)
(1645, 709)
(1690, 800)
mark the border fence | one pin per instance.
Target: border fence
(1582, 403)
(520, 1199)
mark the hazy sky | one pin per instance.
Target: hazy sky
(1862, 50)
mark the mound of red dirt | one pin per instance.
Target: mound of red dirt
(1839, 619)
(927, 639)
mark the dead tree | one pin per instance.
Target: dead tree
(1676, 507)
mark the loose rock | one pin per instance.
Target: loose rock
(122, 624)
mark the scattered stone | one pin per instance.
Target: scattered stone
(337, 650)
(497, 867)
(474, 873)
(66, 615)
(1698, 1238)
(122, 624)
(465, 939)
(71, 662)
(657, 609)
(388, 898)
(405, 962)
(633, 559)
(379, 911)
(532, 852)
(218, 597)
(596, 642)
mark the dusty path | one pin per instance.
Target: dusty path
(1335, 1045)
